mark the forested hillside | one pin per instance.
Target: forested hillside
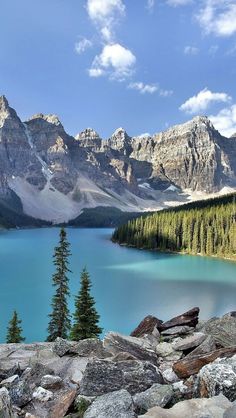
(207, 228)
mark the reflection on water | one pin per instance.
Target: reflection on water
(127, 283)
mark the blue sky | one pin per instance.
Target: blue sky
(140, 64)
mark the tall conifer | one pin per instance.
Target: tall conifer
(59, 324)
(86, 318)
(14, 330)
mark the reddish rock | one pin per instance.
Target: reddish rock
(191, 365)
(146, 326)
(63, 403)
(189, 318)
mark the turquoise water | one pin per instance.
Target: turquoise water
(127, 283)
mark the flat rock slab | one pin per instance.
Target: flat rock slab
(118, 404)
(205, 347)
(199, 408)
(191, 365)
(102, 376)
(192, 341)
(140, 348)
(90, 347)
(23, 355)
(189, 318)
(176, 331)
(223, 330)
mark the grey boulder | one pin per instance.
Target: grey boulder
(205, 347)
(140, 348)
(190, 342)
(118, 404)
(197, 408)
(102, 376)
(5, 404)
(156, 395)
(51, 382)
(231, 412)
(223, 330)
(218, 377)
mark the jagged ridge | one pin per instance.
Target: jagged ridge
(56, 175)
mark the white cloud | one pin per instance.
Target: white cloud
(115, 60)
(202, 100)
(105, 14)
(178, 2)
(95, 72)
(218, 17)
(143, 88)
(149, 88)
(166, 93)
(82, 45)
(225, 121)
(191, 50)
(150, 4)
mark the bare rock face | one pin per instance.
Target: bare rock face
(197, 156)
(89, 138)
(15, 152)
(120, 141)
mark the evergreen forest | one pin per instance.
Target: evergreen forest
(206, 227)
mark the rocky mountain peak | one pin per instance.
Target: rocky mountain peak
(120, 133)
(120, 140)
(203, 121)
(3, 103)
(6, 112)
(199, 127)
(88, 133)
(50, 118)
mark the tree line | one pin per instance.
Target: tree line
(209, 229)
(85, 319)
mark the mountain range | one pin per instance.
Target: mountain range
(48, 174)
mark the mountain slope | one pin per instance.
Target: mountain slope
(55, 176)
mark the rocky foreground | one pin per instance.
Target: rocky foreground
(176, 369)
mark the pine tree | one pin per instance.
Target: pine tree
(86, 318)
(14, 330)
(59, 324)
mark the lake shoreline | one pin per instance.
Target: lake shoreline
(174, 252)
